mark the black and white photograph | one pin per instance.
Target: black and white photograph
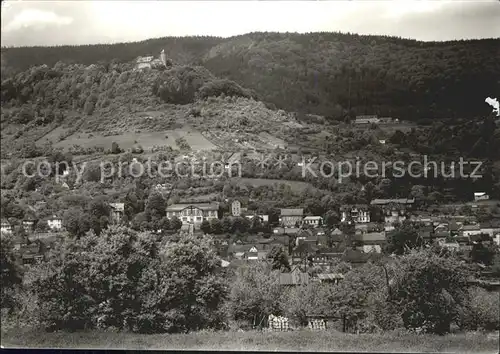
(278, 176)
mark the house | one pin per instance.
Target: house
(248, 252)
(468, 230)
(5, 227)
(286, 230)
(330, 278)
(441, 227)
(336, 237)
(310, 239)
(481, 196)
(497, 239)
(291, 217)
(54, 223)
(481, 238)
(324, 258)
(262, 218)
(304, 234)
(117, 212)
(453, 227)
(236, 208)
(425, 235)
(394, 210)
(356, 213)
(29, 224)
(366, 119)
(464, 242)
(32, 253)
(382, 141)
(314, 221)
(193, 212)
(441, 236)
(144, 63)
(163, 187)
(491, 228)
(370, 242)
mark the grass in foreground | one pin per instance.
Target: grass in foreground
(303, 340)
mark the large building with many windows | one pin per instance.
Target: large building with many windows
(356, 213)
(193, 213)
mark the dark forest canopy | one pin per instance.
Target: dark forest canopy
(322, 73)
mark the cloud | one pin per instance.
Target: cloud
(36, 18)
(100, 21)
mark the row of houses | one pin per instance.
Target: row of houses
(196, 213)
(55, 222)
(394, 210)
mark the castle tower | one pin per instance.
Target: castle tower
(163, 57)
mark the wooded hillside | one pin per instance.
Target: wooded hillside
(321, 73)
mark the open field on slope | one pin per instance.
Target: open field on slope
(296, 186)
(146, 139)
(303, 340)
(53, 135)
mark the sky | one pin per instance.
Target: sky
(26, 22)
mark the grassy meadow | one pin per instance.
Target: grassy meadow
(146, 139)
(303, 340)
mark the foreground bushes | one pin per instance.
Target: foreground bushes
(124, 280)
(482, 311)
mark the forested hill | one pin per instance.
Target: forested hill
(323, 73)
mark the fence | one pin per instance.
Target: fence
(278, 323)
(317, 325)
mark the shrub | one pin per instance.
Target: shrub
(255, 293)
(482, 312)
(429, 290)
(180, 84)
(11, 275)
(222, 87)
(115, 148)
(124, 282)
(137, 149)
(90, 104)
(182, 144)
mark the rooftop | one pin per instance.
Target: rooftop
(471, 228)
(330, 276)
(292, 212)
(313, 218)
(202, 206)
(370, 237)
(393, 201)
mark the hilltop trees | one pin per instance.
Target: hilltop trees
(423, 83)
